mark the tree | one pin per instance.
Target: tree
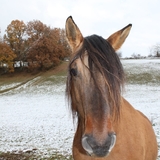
(64, 42)
(60, 41)
(48, 50)
(155, 50)
(36, 29)
(6, 57)
(136, 56)
(15, 37)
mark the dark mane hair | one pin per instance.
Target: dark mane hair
(104, 58)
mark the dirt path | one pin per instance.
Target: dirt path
(24, 79)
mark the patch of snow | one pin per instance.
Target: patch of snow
(8, 86)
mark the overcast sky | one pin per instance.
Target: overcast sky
(101, 17)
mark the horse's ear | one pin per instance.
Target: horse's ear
(117, 39)
(73, 34)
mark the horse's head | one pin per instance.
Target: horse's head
(94, 86)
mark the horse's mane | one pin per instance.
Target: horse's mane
(104, 58)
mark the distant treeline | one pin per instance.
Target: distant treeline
(32, 46)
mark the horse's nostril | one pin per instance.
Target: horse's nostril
(86, 145)
(113, 141)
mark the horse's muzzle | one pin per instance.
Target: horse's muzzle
(93, 148)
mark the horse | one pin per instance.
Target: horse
(108, 127)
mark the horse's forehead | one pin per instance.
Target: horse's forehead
(82, 61)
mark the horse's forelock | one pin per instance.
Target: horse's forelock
(106, 61)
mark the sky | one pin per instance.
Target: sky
(101, 17)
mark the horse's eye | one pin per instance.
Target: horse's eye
(73, 71)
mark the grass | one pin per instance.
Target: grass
(30, 155)
(142, 78)
(142, 73)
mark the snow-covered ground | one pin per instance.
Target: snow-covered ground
(37, 117)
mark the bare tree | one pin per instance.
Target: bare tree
(155, 50)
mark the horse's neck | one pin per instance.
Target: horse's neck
(126, 110)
